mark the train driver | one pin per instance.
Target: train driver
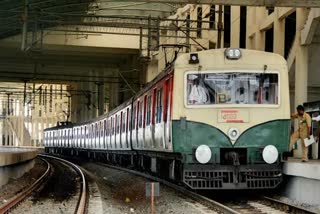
(303, 132)
(198, 94)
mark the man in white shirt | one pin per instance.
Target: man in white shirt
(198, 94)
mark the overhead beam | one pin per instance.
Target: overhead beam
(265, 3)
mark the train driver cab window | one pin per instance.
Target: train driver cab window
(232, 88)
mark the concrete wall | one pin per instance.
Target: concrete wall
(303, 190)
(15, 171)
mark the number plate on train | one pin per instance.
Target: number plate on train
(233, 116)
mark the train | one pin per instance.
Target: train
(213, 120)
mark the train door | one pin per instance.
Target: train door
(101, 130)
(148, 137)
(78, 137)
(128, 128)
(123, 129)
(108, 133)
(90, 145)
(118, 126)
(104, 137)
(64, 138)
(167, 113)
(141, 130)
(69, 138)
(158, 117)
(112, 138)
(134, 128)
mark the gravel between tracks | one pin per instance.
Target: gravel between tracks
(122, 192)
(15, 186)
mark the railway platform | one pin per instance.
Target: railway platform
(302, 181)
(14, 162)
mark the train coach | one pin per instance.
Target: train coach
(215, 119)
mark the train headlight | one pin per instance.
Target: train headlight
(194, 58)
(233, 133)
(270, 154)
(203, 154)
(233, 53)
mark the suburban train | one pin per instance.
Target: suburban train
(215, 119)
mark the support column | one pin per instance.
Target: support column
(260, 36)
(278, 32)
(301, 66)
(101, 95)
(301, 70)
(251, 14)
(235, 26)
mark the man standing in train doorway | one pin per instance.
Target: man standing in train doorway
(303, 132)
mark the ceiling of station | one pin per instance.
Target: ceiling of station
(59, 63)
(41, 14)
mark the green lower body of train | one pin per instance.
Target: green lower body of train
(244, 168)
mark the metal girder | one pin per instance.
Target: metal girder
(266, 3)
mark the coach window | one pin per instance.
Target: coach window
(117, 123)
(149, 102)
(134, 116)
(124, 117)
(166, 100)
(96, 130)
(101, 128)
(140, 114)
(111, 126)
(128, 127)
(105, 127)
(159, 106)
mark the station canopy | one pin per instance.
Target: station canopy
(62, 15)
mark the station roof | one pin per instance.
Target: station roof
(42, 14)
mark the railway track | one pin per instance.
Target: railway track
(258, 205)
(82, 202)
(212, 204)
(18, 199)
(263, 204)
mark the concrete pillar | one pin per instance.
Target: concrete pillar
(301, 70)
(260, 37)
(301, 66)
(251, 14)
(101, 93)
(75, 102)
(114, 93)
(235, 26)
(278, 32)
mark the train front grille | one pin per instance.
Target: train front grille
(229, 177)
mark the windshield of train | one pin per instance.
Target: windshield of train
(232, 88)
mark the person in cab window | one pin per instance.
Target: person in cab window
(303, 132)
(199, 94)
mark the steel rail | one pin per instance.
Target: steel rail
(207, 201)
(290, 207)
(14, 201)
(200, 198)
(82, 202)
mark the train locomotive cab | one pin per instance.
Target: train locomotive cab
(232, 123)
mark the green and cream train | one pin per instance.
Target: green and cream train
(215, 119)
